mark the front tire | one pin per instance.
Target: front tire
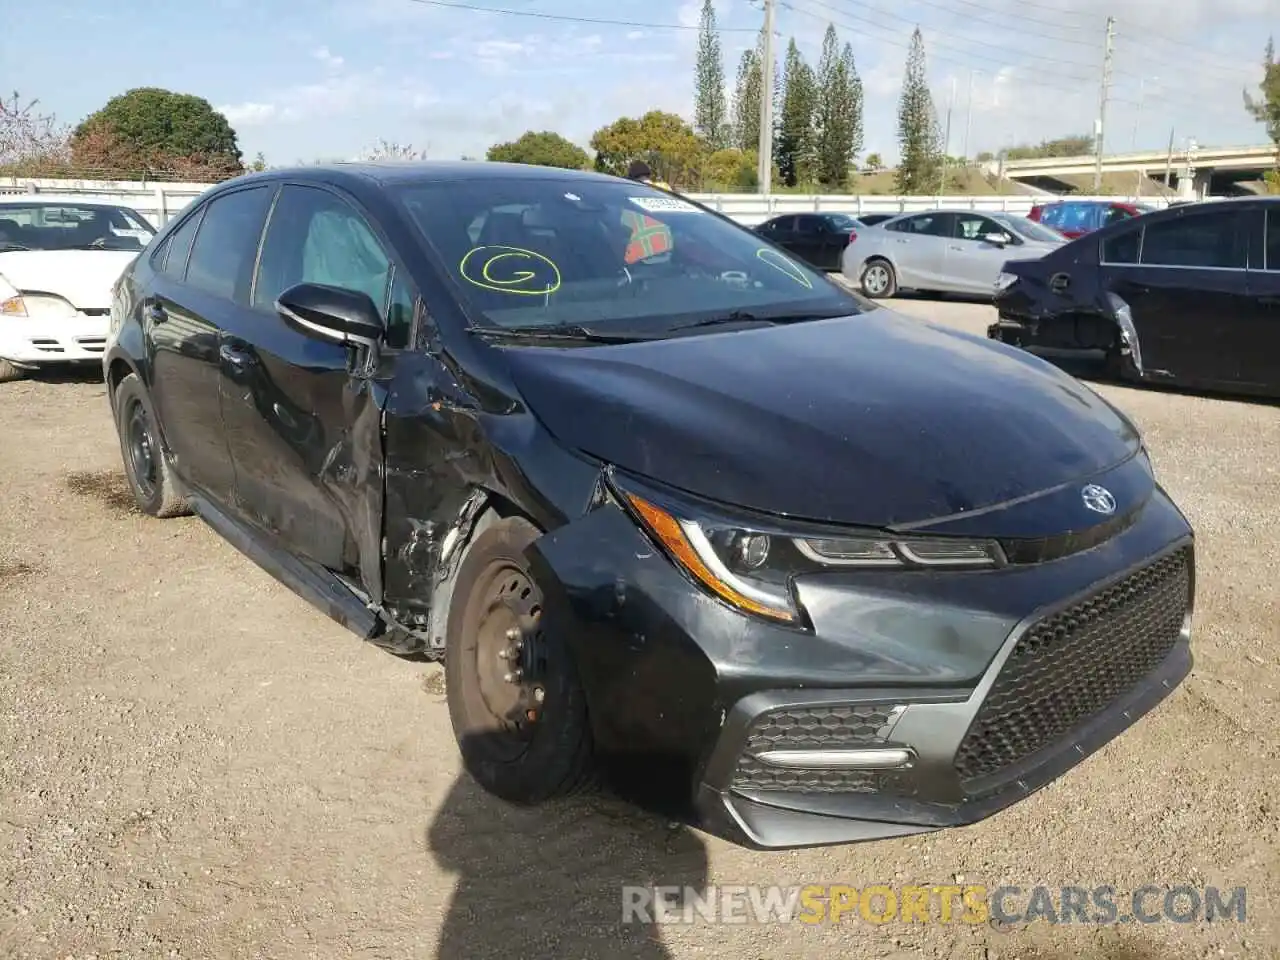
(517, 707)
(151, 481)
(879, 280)
(9, 372)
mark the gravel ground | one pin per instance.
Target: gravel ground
(194, 763)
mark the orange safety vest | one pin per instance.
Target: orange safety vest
(649, 237)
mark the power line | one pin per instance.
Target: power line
(967, 64)
(945, 46)
(568, 19)
(1004, 21)
(985, 55)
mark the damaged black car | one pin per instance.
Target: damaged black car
(1188, 296)
(655, 491)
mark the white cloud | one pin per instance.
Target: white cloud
(248, 114)
(329, 59)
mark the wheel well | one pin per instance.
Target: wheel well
(118, 370)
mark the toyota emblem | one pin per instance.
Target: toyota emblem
(1098, 499)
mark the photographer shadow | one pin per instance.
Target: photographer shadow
(547, 881)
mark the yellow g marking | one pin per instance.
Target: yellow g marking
(776, 260)
(506, 270)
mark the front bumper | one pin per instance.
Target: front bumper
(973, 690)
(1064, 685)
(34, 342)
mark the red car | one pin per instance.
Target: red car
(1075, 218)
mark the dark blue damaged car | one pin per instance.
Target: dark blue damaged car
(657, 493)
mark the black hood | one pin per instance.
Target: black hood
(873, 420)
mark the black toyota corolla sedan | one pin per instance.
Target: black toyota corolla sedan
(655, 491)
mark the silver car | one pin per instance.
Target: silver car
(952, 251)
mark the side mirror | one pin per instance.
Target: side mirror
(331, 313)
(998, 239)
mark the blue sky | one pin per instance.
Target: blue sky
(313, 79)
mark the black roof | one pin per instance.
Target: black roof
(419, 171)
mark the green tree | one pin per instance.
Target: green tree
(875, 163)
(730, 170)
(746, 102)
(1079, 145)
(921, 164)
(709, 117)
(259, 162)
(663, 140)
(839, 121)
(542, 149)
(150, 129)
(1265, 108)
(795, 148)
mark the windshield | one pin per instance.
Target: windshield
(842, 222)
(69, 226)
(1030, 229)
(552, 252)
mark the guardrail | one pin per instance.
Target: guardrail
(160, 202)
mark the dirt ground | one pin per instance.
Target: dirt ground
(194, 763)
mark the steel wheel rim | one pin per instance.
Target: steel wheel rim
(142, 452)
(510, 656)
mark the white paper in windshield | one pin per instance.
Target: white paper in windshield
(663, 204)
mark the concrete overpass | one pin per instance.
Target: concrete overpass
(1194, 171)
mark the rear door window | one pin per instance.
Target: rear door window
(226, 244)
(178, 247)
(1122, 248)
(1217, 239)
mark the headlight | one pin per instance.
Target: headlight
(38, 306)
(752, 566)
(1005, 280)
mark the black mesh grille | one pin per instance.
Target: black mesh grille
(754, 775)
(828, 727)
(1074, 664)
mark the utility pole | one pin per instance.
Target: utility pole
(968, 120)
(1168, 161)
(946, 141)
(1102, 107)
(765, 173)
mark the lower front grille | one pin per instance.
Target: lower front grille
(821, 727)
(1072, 665)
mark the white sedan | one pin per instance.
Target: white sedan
(58, 262)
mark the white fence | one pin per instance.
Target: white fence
(159, 202)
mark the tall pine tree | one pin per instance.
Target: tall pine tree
(746, 102)
(746, 99)
(839, 119)
(795, 150)
(710, 118)
(918, 136)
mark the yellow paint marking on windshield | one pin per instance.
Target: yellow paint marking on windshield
(506, 270)
(780, 263)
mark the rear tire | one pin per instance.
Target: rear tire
(151, 481)
(10, 372)
(879, 280)
(524, 736)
